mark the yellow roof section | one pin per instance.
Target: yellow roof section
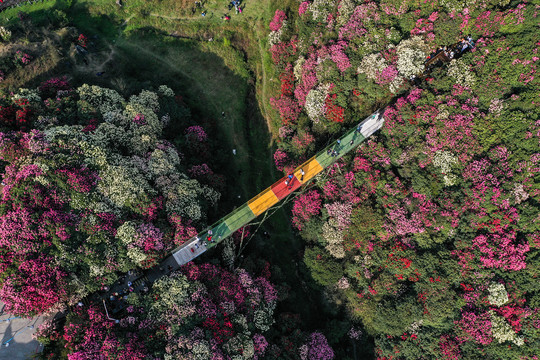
(310, 167)
(263, 201)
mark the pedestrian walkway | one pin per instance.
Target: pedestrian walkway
(16, 336)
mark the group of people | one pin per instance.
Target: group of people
(199, 243)
(127, 287)
(447, 53)
(236, 5)
(237, 9)
(290, 178)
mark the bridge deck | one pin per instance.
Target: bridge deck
(276, 192)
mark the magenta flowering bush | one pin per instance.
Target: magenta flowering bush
(89, 332)
(206, 311)
(277, 21)
(49, 88)
(98, 201)
(305, 206)
(36, 286)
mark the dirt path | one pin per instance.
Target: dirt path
(263, 90)
(172, 17)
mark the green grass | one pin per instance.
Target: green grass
(35, 11)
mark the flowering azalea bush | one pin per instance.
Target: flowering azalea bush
(97, 200)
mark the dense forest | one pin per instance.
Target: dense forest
(120, 141)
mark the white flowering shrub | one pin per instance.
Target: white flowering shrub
(315, 102)
(116, 118)
(496, 107)
(147, 99)
(124, 185)
(173, 290)
(374, 64)
(461, 72)
(5, 34)
(31, 95)
(458, 5)
(166, 91)
(136, 255)
(102, 99)
(147, 118)
(263, 317)
(345, 10)
(411, 56)
(371, 64)
(343, 283)
(445, 160)
(497, 294)
(162, 162)
(275, 36)
(334, 239)
(126, 232)
(297, 69)
(443, 112)
(228, 253)
(320, 9)
(520, 193)
(142, 140)
(502, 331)
(110, 136)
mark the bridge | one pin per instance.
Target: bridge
(272, 195)
(241, 216)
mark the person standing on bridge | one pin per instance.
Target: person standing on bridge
(302, 174)
(289, 179)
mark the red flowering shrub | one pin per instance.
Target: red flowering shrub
(333, 112)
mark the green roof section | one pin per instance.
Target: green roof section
(239, 217)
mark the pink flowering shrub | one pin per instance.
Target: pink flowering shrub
(449, 348)
(475, 327)
(288, 109)
(316, 348)
(67, 191)
(89, 332)
(196, 134)
(441, 201)
(303, 8)
(49, 88)
(338, 55)
(501, 251)
(305, 206)
(37, 286)
(277, 21)
(280, 159)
